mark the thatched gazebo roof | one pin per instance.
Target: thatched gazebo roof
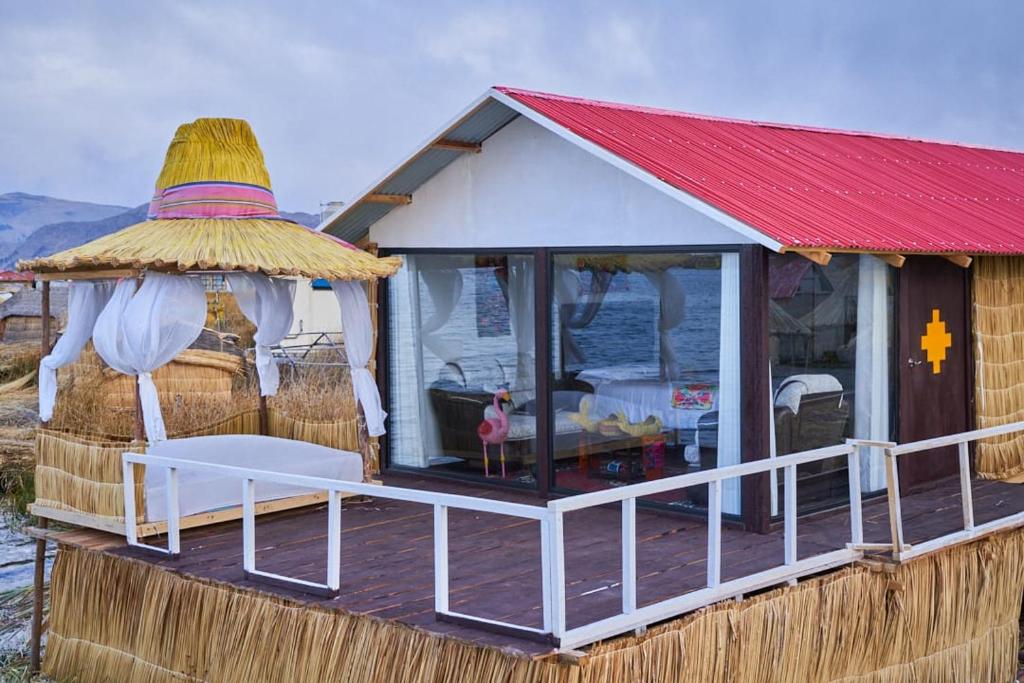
(214, 211)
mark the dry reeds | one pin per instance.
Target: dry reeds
(948, 617)
(224, 315)
(998, 317)
(82, 475)
(197, 389)
(17, 360)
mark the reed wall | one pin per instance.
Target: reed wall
(947, 617)
(81, 474)
(998, 322)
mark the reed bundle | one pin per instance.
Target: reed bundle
(15, 329)
(206, 387)
(952, 616)
(998, 317)
(79, 474)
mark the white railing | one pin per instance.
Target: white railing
(632, 616)
(334, 488)
(901, 550)
(551, 519)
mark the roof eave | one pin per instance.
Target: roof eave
(350, 205)
(644, 176)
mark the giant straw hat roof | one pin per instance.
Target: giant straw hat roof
(213, 210)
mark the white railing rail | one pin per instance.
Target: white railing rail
(901, 550)
(440, 502)
(632, 616)
(551, 534)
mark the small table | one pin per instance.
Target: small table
(641, 458)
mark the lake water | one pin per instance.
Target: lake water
(17, 569)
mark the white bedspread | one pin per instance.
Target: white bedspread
(204, 492)
(641, 399)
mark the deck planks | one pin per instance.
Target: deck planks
(387, 553)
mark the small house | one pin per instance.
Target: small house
(661, 293)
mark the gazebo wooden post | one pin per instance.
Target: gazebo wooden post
(138, 426)
(264, 415)
(40, 566)
(365, 446)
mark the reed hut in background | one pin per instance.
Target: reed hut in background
(21, 316)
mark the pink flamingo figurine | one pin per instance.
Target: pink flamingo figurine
(494, 430)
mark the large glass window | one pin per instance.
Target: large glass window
(645, 369)
(461, 355)
(831, 348)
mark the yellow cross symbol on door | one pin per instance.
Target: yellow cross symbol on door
(936, 341)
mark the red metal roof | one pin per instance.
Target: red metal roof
(16, 276)
(814, 188)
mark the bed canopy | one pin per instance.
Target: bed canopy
(213, 212)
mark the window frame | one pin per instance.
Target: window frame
(543, 269)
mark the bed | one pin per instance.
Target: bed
(202, 492)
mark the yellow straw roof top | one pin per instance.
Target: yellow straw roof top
(272, 247)
(213, 210)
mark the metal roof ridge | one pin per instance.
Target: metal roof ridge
(661, 111)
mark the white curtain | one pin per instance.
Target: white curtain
(86, 300)
(871, 392)
(412, 424)
(269, 304)
(357, 327)
(444, 282)
(729, 379)
(139, 331)
(672, 312)
(575, 311)
(521, 309)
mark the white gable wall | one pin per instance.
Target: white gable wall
(530, 188)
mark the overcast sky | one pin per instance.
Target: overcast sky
(91, 92)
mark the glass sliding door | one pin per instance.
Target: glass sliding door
(461, 365)
(645, 370)
(830, 345)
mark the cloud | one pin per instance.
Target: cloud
(91, 92)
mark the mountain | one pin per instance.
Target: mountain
(55, 237)
(302, 218)
(21, 213)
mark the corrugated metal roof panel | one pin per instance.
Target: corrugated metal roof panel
(814, 188)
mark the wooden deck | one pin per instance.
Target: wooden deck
(387, 553)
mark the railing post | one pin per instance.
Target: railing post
(130, 530)
(249, 525)
(441, 582)
(789, 532)
(552, 543)
(966, 495)
(173, 513)
(714, 562)
(856, 509)
(892, 481)
(628, 555)
(333, 539)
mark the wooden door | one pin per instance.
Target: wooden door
(934, 340)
